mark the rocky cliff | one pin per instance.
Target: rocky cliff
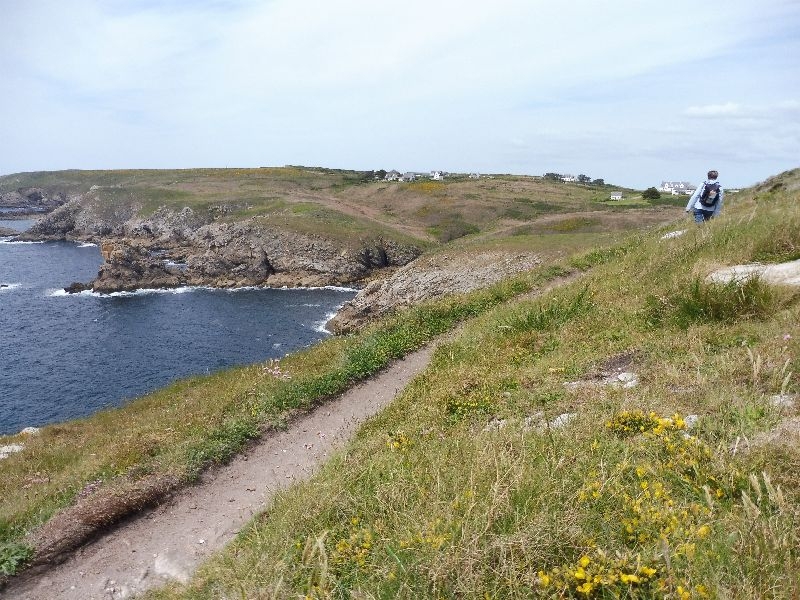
(31, 200)
(429, 277)
(176, 248)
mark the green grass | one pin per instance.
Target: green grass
(488, 477)
(181, 430)
(338, 204)
(467, 487)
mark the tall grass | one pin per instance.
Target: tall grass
(515, 467)
(716, 302)
(192, 424)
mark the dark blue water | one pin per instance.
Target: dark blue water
(65, 356)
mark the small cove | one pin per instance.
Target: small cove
(67, 356)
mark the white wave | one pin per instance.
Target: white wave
(150, 291)
(142, 292)
(334, 288)
(319, 326)
(244, 288)
(186, 289)
(87, 245)
(9, 286)
(62, 293)
(8, 240)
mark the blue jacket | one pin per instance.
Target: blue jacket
(694, 201)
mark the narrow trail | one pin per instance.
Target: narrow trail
(170, 541)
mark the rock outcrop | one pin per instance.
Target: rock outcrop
(31, 200)
(426, 278)
(177, 248)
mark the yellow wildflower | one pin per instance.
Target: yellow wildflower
(629, 578)
(584, 561)
(586, 588)
(647, 571)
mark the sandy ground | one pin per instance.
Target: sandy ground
(170, 541)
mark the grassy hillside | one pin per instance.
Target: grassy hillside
(491, 478)
(474, 484)
(339, 203)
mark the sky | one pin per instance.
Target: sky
(631, 91)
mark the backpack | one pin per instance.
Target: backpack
(710, 194)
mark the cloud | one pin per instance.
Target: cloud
(731, 109)
(514, 84)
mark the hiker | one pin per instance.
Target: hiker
(706, 202)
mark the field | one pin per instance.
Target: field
(342, 204)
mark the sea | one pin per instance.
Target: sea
(65, 356)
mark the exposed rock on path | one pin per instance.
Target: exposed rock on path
(169, 542)
(787, 273)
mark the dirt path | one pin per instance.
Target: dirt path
(170, 541)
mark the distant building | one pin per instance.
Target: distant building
(616, 195)
(408, 176)
(569, 178)
(474, 175)
(676, 187)
(436, 175)
(392, 175)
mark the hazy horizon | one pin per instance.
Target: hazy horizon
(631, 93)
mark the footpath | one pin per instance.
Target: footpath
(170, 541)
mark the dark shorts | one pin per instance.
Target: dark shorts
(701, 215)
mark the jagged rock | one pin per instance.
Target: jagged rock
(787, 273)
(429, 277)
(76, 287)
(237, 254)
(6, 451)
(175, 248)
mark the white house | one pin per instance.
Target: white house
(569, 178)
(436, 175)
(392, 175)
(676, 187)
(616, 195)
(408, 176)
(474, 175)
